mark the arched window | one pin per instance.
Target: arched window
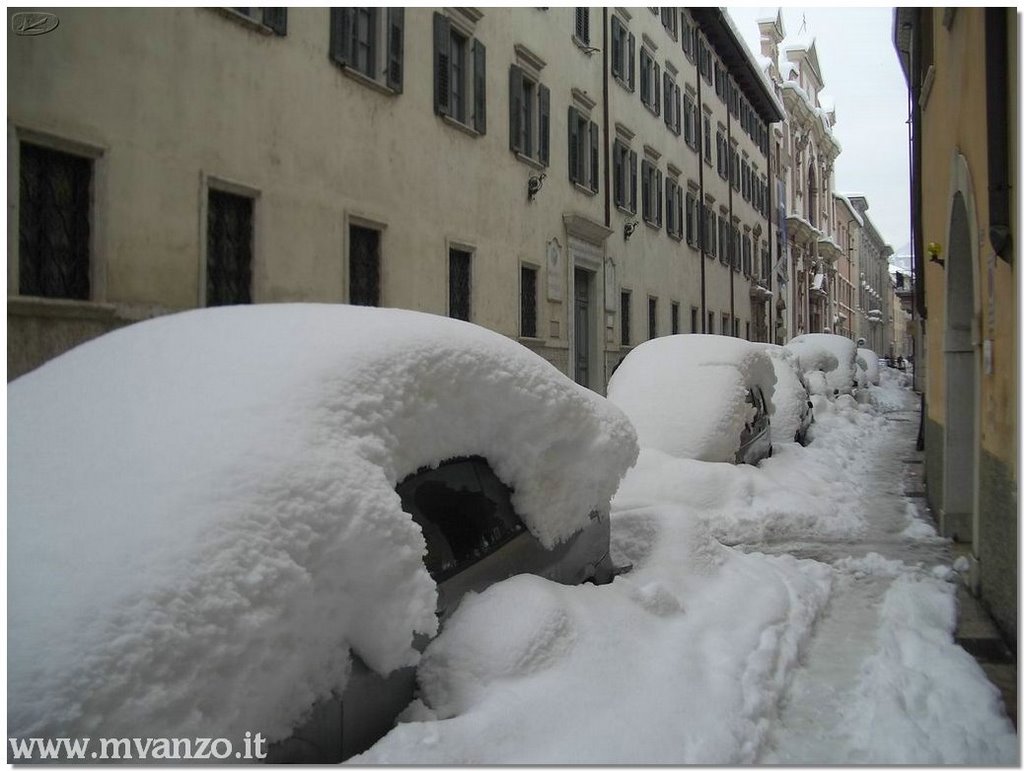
(812, 195)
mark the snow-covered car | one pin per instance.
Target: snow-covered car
(221, 518)
(706, 397)
(867, 367)
(834, 356)
(793, 412)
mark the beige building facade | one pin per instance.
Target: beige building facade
(540, 172)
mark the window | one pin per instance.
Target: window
(228, 249)
(652, 318)
(690, 129)
(584, 150)
(736, 329)
(363, 266)
(704, 59)
(370, 41)
(747, 254)
(623, 54)
(691, 219)
(722, 151)
(673, 107)
(723, 236)
(726, 326)
(459, 284)
(671, 22)
(694, 311)
(529, 116)
(711, 322)
(624, 309)
(582, 26)
(748, 330)
(651, 193)
(688, 41)
(624, 176)
(527, 301)
(464, 511)
(710, 246)
(650, 82)
(707, 139)
(275, 19)
(734, 167)
(53, 223)
(674, 215)
(675, 318)
(460, 75)
(745, 179)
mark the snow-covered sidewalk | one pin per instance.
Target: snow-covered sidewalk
(799, 611)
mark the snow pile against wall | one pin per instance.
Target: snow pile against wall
(867, 360)
(687, 394)
(202, 517)
(922, 698)
(790, 396)
(835, 355)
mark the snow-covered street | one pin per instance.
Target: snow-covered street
(800, 611)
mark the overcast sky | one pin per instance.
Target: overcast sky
(863, 77)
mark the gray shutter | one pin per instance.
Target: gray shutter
(442, 65)
(632, 181)
(544, 124)
(616, 47)
(276, 19)
(574, 145)
(594, 157)
(396, 48)
(667, 88)
(515, 107)
(661, 201)
(341, 35)
(632, 62)
(678, 126)
(657, 91)
(479, 87)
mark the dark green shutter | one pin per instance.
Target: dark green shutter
(276, 19)
(632, 181)
(341, 35)
(544, 123)
(396, 48)
(667, 81)
(594, 156)
(442, 65)
(656, 90)
(574, 145)
(479, 87)
(632, 62)
(515, 108)
(660, 188)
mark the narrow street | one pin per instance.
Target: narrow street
(824, 717)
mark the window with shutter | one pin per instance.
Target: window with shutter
(632, 181)
(479, 87)
(442, 64)
(575, 146)
(594, 156)
(459, 284)
(655, 90)
(645, 77)
(582, 28)
(365, 42)
(619, 174)
(632, 61)
(515, 109)
(691, 219)
(276, 19)
(528, 301)
(341, 34)
(396, 48)
(544, 124)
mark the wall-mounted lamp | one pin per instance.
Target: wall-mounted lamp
(935, 249)
(627, 231)
(533, 186)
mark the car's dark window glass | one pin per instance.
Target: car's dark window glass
(465, 512)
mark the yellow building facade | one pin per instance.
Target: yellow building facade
(961, 70)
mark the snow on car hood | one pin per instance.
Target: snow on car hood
(202, 517)
(686, 394)
(835, 355)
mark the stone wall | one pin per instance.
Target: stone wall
(934, 438)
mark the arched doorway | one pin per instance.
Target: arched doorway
(961, 365)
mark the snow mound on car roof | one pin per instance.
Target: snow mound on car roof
(835, 355)
(202, 513)
(686, 394)
(790, 397)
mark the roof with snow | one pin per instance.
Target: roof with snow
(202, 516)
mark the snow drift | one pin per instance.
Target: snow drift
(202, 518)
(867, 361)
(686, 394)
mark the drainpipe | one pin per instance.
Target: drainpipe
(770, 320)
(998, 121)
(700, 181)
(607, 190)
(732, 271)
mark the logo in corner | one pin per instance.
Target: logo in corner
(28, 23)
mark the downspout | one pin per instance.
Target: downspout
(998, 133)
(770, 320)
(702, 236)
(607, 190)
(732, 270)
